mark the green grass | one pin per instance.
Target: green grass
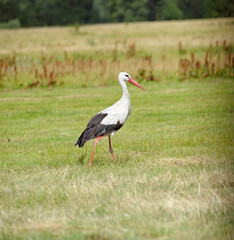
(175, 161)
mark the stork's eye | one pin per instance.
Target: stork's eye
(127, 76)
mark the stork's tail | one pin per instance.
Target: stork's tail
(81, 141)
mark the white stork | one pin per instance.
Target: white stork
(111, 119)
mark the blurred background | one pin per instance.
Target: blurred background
(59, 12)
(73, 43)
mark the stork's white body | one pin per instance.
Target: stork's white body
(120, 110)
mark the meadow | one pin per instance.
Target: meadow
(174, 177)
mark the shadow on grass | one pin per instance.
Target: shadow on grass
(81, 159)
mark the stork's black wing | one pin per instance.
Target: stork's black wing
(96, 129)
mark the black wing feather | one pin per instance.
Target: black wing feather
(96, 129)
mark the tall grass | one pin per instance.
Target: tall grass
(151, 52)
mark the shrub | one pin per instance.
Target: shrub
(171, 11)
(76, 27)
(13, 24)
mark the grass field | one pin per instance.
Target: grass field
(174, 177)
(94, 56)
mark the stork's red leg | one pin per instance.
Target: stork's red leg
(111, 150)
(94, 146)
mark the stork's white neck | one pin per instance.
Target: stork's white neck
(125, 99)
(125, 90)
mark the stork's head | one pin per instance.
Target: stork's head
(123, 76)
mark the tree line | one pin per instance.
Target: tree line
(67, 12)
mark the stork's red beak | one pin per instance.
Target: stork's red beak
(131, 80)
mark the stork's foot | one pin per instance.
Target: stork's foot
(111, 150)
(94, 146)
(112, 153)
(90, 164)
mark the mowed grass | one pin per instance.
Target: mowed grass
(173, 180)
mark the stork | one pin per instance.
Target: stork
(111, 119)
